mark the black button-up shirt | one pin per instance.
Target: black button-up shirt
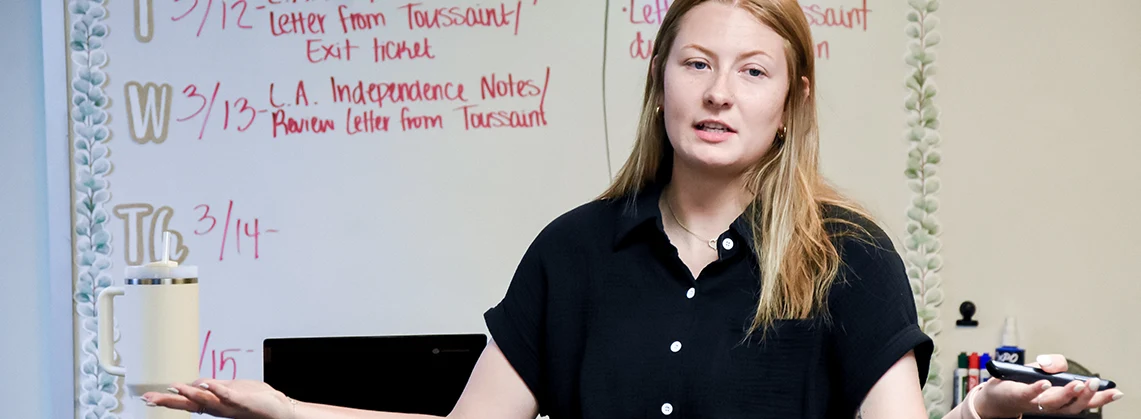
(603, 320)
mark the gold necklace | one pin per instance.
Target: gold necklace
(712, 242)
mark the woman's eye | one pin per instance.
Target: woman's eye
(698, 65)
(755, 72)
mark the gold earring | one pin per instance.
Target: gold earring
(658, 109)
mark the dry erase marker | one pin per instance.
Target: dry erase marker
(984, 375)
(973, 372)
(960, 379)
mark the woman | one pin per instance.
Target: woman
(649, 302)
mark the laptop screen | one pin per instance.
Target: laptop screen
(422, 374)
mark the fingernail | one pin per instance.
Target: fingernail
(1118, 396)
(1046, 385)
(204, 385)
(1094, 383)
(172, 390)
(144, 399)
(1045, 360)
(1079, 388)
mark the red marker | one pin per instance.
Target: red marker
(973, 371)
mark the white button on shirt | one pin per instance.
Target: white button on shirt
(676, 346)
(727, 243)
(690, 293)
(667, 409)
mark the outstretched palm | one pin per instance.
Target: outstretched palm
(239, 399)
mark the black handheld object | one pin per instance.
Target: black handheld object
(1030, 375)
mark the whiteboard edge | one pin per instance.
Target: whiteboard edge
(61, 371)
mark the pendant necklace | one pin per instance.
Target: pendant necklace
(711, 242)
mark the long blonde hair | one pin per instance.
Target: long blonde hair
(798, 260)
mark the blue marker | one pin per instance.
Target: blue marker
(983, 373)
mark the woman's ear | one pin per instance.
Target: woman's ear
(807, 87)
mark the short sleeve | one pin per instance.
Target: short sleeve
(874, 316)
(516, 324)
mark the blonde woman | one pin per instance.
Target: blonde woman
(718, 277)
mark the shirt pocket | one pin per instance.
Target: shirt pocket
(767, 376)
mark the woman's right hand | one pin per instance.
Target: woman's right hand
(240, 399)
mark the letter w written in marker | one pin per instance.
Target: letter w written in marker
(148, 111)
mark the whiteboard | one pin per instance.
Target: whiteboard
(352, 167)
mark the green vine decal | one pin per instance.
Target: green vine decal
(922, 242)
(98, 390)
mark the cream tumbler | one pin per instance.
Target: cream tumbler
(157, 315)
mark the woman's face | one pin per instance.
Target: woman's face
(725, 84)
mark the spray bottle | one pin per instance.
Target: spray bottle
(1009, 351)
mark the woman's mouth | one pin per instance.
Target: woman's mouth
(713, 132)
(713, 127)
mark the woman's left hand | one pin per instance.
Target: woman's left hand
(1009, 399)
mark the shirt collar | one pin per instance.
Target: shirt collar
(637, 210)
(640, 210)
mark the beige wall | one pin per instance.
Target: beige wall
(1042, 131)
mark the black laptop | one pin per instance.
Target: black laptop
(422, 374)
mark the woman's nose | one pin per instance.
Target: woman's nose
(718, 94)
